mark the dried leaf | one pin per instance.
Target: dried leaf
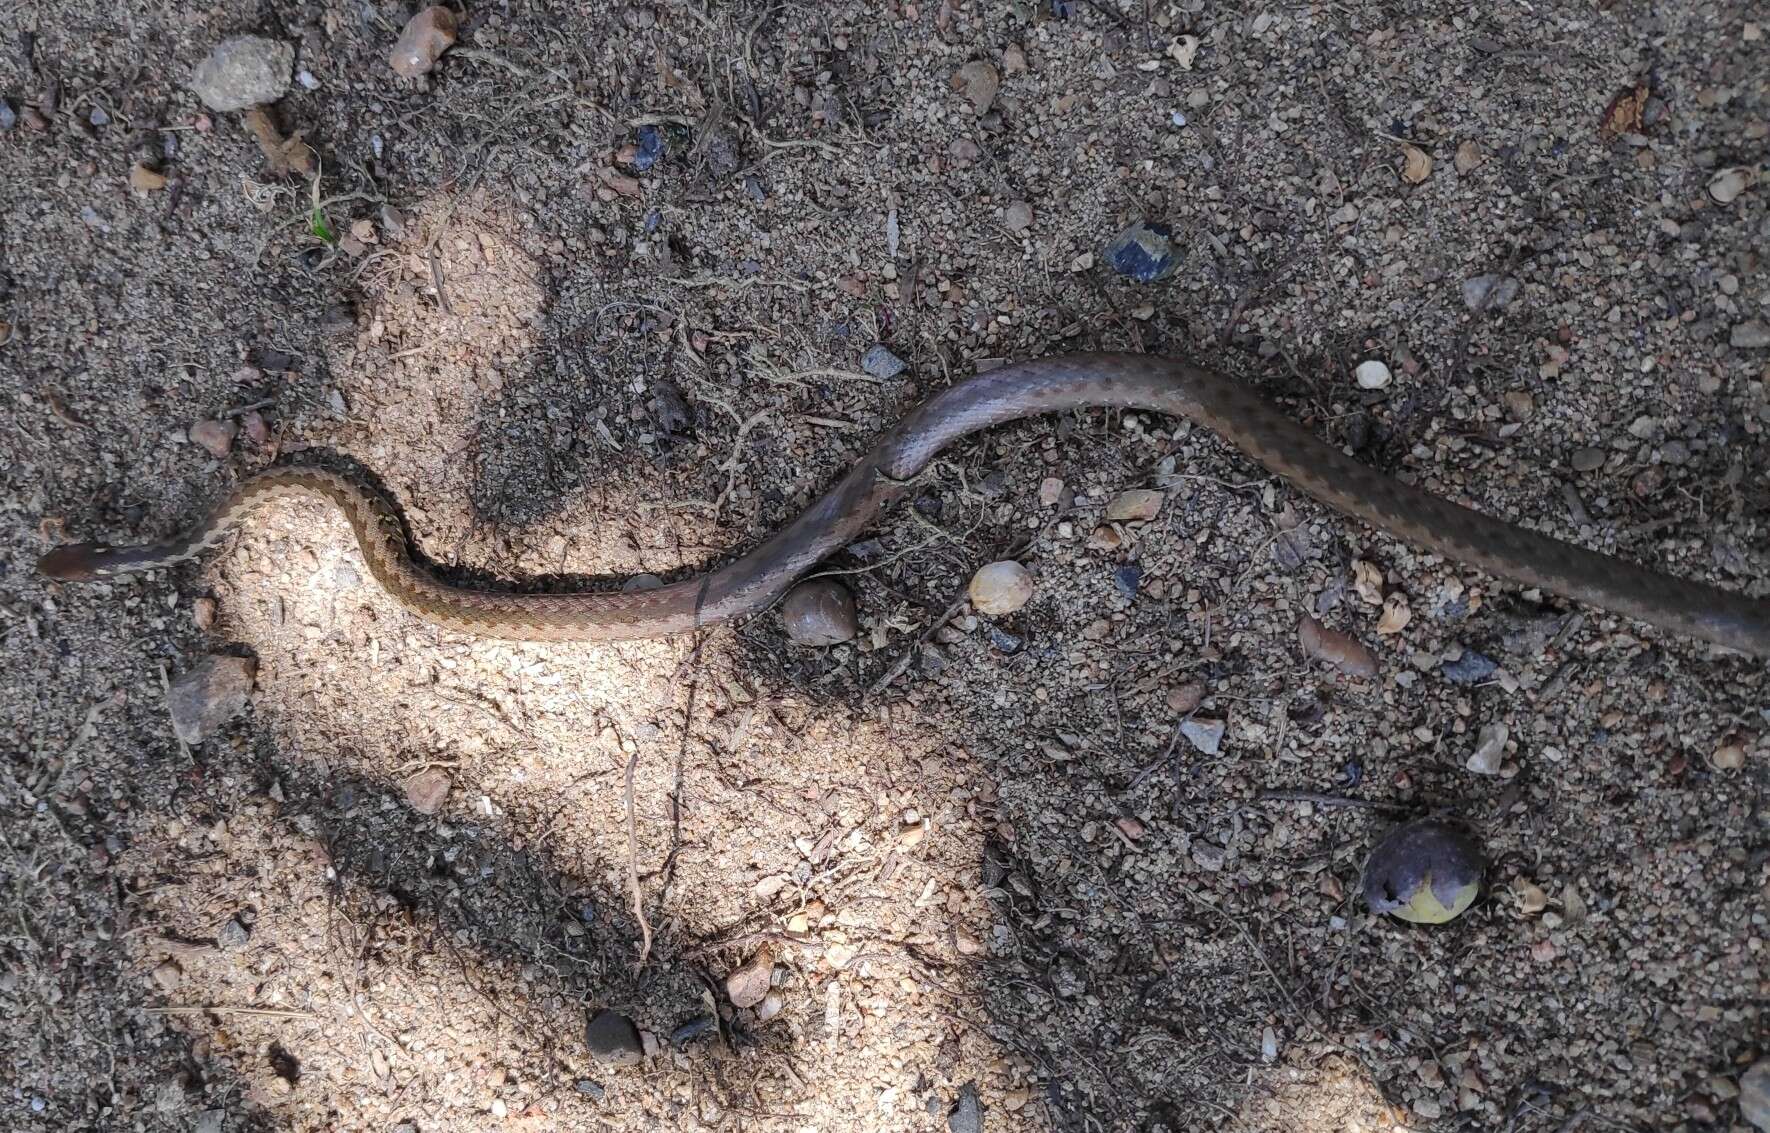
(1623, 115)
(1416, 166)
(1341, 651)
(1530, 897)
(1396, 615)
(1367, 579)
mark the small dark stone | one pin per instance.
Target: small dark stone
(649, 148)
(652, 220)
(591, 1089)
(8, 116)
(967, 1115)
(1003, 640)
(668, 407)
(1144, 252)
(930, 506)
(754, 187)
(612, 1038)
(866, 550)
(233, 935)
(698, 1027)
(1128, 578)
(994, 485)
(1470, 668)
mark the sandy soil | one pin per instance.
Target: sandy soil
(1003, 869)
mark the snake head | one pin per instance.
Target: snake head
(73, 562)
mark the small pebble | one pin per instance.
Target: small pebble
(1018, 217)
(168, 976)
(648, 147)
(1144, 252)
(99, 116)
(820, 612)
(422, 42)
(1186, 697)
(427, 790)
(882, 364)
(591, 1089)
(1205, 735)
(613, 1039)
(213, 692)
(967, 1115)
(979, 82)
(1754, 335)
(233, 936)
(1726, 185)
(746, 986)
(770, 1006)
(1128, 578)
(1470, 668)
(1372, 374)
(1490, 750)
(255, 428)
(243, 72)
(1000, 588)
(1730, 756)
(1003, 640)
(215, 437)
(1136, 505)
(1587, 459)
(1754, 1094)
(203, 613)
(1052, 493)
(8, 116)
(1491, 292)
(642, 582)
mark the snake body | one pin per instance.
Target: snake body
(1048, 385)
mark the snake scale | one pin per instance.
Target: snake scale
(1048, 385)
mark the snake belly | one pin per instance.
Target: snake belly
(1048, 385)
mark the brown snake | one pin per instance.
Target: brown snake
(1049, 385)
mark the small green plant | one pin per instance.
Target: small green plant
(316, 218)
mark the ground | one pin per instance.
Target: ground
(999, 866)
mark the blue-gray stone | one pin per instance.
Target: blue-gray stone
(1470, 668)
(1144, 252)
(882, 364)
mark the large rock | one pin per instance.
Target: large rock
(210, 695)
(243, 72)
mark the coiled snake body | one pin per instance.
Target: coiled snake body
(1048, 385)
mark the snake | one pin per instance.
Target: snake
(751, 582)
